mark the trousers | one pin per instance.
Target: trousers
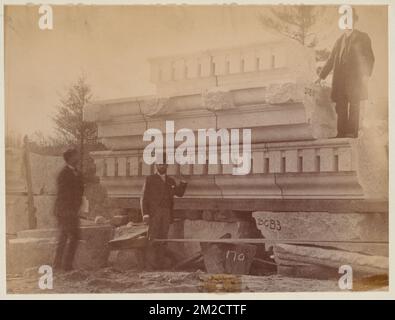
(158, 228)
(347, 118)
(68, 236)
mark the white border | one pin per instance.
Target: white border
(204, 296)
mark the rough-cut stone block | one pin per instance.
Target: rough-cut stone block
(238, 258)
(15, 170)
(360, 263)
(307, 271)
(126, 259)
(321, 226)
(321, 112)
(91, 255)
(44, 170)
(16, 213)
(45, 211)
(372, 150)
(212, 230)
(28, 253)
(34, 248)
(226, 216)
(192, 214)
(176, 231)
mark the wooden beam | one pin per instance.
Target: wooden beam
(263, 240)
(32, 219)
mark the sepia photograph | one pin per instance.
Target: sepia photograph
(196, 148)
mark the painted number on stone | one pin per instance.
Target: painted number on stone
(271, 224)
(234, 256)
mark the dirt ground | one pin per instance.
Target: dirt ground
(109, 280)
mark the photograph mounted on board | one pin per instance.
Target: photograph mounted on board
(191, 148)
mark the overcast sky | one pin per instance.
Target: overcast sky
(111, 45)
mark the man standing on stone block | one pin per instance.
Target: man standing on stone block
(67, 205)
(352, 62)
(157, 208)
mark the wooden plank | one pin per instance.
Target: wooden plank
(136, 238)
(30, 198)
(262, 240)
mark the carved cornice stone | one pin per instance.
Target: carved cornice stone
(155, 106)
(217, 100)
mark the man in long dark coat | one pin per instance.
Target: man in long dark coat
(352, 61)
(157, 207)
(67, 206)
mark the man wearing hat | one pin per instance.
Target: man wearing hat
(157, 208)
(67, 205)
(352, 62)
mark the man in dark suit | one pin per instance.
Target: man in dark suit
(68, 202)
(352, 62)
(157, 207)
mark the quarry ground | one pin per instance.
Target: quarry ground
(109, 280)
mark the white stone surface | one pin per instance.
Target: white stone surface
(321, 226)
(360, 263)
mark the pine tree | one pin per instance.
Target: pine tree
(69, 123)
(296, 22)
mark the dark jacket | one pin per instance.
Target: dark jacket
(159, 194)
(70, 189)
(349, 66)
